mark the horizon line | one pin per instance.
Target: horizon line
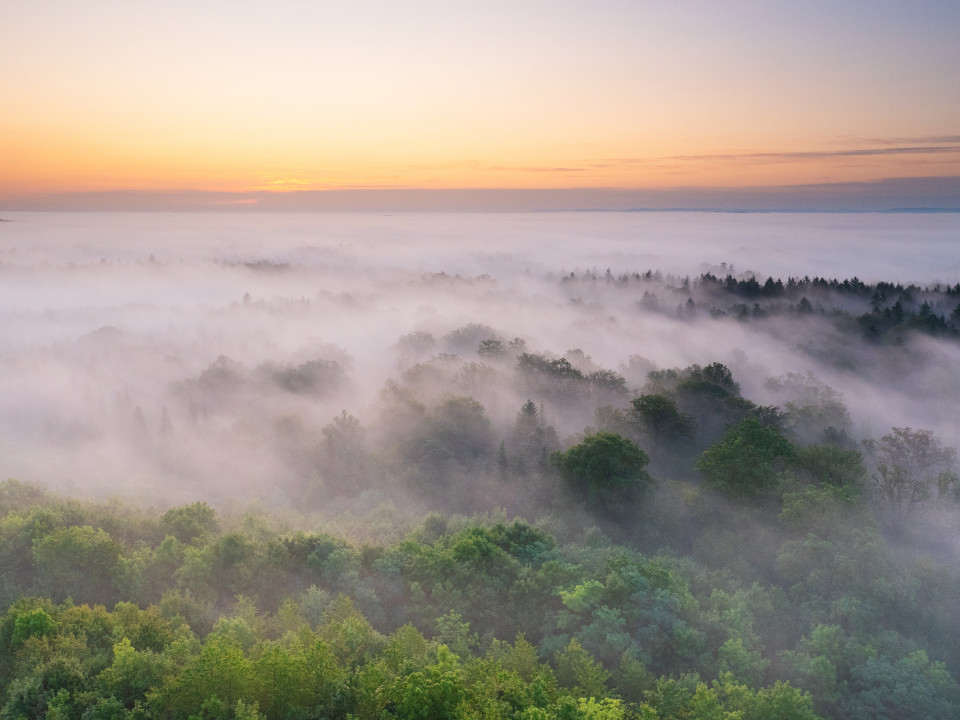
(911, 194)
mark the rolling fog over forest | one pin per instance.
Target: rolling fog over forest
(546, 466)
(173, 357)
(480, 361)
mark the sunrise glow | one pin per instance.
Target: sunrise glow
(280, 97)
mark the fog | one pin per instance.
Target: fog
(174, 357)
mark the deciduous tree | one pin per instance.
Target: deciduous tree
(604, 470)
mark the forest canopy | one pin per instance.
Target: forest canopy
(353, 478)
(742, 570)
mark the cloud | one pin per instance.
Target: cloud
(931, 145)
(789, 156)
(919, 140)
(541, 169)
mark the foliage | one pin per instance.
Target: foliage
(190, 521)
(604, 470)
(912, 468)
(746, 461)
(813, 411)
(785, 598)
(614, 633)
(657, 417)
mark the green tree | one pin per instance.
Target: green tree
(834, 466)
(911, 687)
(188, 522)
(913, 467)
(414, 346)
(453, 439)
(18, 496)
(78, 561)
(348, 633)
(220, 671)
(530, 439)
(580, 672)
(657, 418)
(433, 693)
(343, 455)
(781, 701)
(745, 664)
(605, 709)
(604, 470)
(492, 348)
(32, 623)
(708, 394)
(132, 674)
(747, 459)
(813, 411)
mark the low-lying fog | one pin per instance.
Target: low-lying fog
(172, 357)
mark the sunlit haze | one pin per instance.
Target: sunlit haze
(524, 360)
(105, 312)
(246, 99)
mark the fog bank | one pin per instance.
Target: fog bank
(176, 356)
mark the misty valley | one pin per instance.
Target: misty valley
(532, 466)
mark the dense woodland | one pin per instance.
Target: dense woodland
(882, 311)
(516, 533)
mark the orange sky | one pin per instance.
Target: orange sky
(246, 96)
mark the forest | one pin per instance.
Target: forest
(477, 467)
(634, 543)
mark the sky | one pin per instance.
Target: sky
(238, 101)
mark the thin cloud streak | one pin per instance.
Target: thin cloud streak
(668, 162)
(541, 169)
(932, 139)
(788, 156)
